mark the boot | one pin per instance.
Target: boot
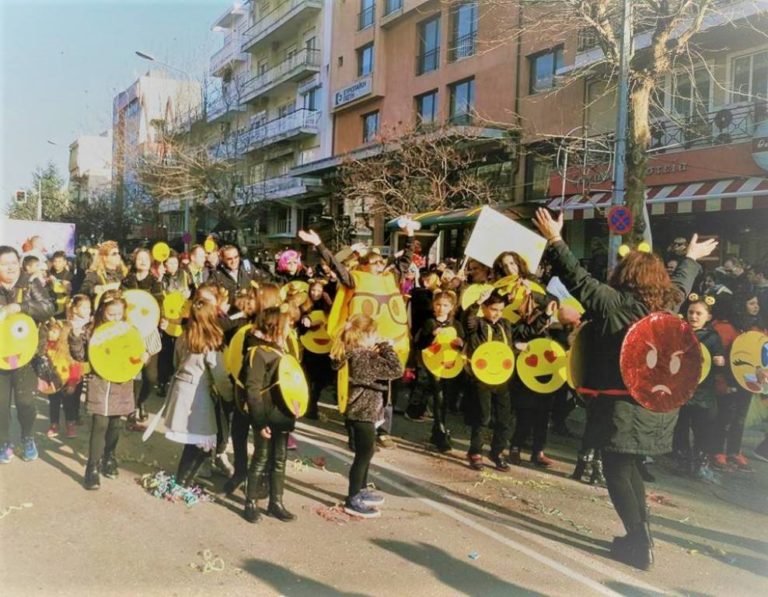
(143, 416)
(251, 512)
(636, 548)
(233, 483)
(92, 480)
(581, 464)
(189, 464)
(109, 466)
(596, 477)
(277, 480)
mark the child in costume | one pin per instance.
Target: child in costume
(66, 389)
(316, 342)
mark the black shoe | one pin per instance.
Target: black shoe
(92, 480)
(109, 467)
(234, 483)
(277, 510)
(500, 463)
(581, 467)
(251, 512)
(635, 549)
(645, 473)
(142, 416)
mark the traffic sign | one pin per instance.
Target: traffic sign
(620, 219)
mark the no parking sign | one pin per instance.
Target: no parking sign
(620, 220)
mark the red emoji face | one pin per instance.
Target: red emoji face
(661, 362)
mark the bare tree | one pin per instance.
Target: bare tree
(667, 36)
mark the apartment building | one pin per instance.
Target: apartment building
(707, 170)
(140, 114)
(90, 166)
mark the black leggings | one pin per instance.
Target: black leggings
(530, 421)
(731, 416)
(142, 388)
(626, 488)
(70, 401)
(17, 385)
(364, 437)
(105, 431)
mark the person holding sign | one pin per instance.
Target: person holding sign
(639, 285)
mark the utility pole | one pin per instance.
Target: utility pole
(622, 120)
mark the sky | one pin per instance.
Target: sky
(62, 63)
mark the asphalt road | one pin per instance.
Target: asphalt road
(445, 529)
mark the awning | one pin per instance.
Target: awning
(457, 217)
(709, 196)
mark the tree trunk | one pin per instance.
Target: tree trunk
(637, 155)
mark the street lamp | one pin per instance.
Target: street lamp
(151, 58)
(40, 190)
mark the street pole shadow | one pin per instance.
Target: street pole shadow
(631, 591)
(461, 576)
(756, 545)
(289, 583)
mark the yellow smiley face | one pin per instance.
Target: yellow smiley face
(18, 341)
(316, 339)
(516, 294)
(471, 294)
(706, 362)
(440, 358)
(749, 361)
(143, 311)
(173, 308)
(542, 366)
(293, 385)
(115, 351)
(233, 353)
(297, 289)
(493, 363)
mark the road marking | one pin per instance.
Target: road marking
(528, 536)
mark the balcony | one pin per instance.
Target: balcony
(730, 124)
(220, 107)
(228, 54)
(366, 17)
(182, 122)
(281, 187)
(463, 47)
(428, 61)
(287, 14)
(298, 66)
(296, 125)
(224, 150)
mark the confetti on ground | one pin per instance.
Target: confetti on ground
(558, 514)
(662, 500)
(335, 514)
(6, 511)
(164, 486)
(473, 555)
(300, 465)
(211, 563)
(319, 461)
(532, 483)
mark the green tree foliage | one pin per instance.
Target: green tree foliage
(54, 193)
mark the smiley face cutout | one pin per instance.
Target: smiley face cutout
(143, 311)
(316, 338)
(233, 353)
(440, 358)
(293, 385)
(749, 361)
(660, 362)
(115, 351)
(173, 309)
(541, 367)
(493, 363)
(18, 341)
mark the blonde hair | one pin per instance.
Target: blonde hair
(203, 330)
(351, 336)
(99, 264)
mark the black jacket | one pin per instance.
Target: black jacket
(260, 376)
(34, 298)
(245, 275)
(95, 279)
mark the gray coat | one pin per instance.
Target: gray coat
(190, 407)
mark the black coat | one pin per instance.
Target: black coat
(265, 402)
(619, 423)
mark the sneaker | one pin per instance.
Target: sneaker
(500, 463)
(355, 506)
(371, 498)
(475, 462)
(720, 461)
(542, 460)
(53, 431)
(206, 470)
(514, 456)
(761, 452)
(292, 443)
(71, 429)
(221, 465)
(704, 473)
(741, 463)
(384, 441)
(29, 449)
(6, 453)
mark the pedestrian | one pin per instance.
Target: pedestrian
(316, 342)
(199, 383)
(639, 285)
(269, 415)
(64, 390)
(371, 360)
(106, 401)
(105, 273)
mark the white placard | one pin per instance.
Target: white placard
(495, 233)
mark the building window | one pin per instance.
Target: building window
(539, 164)
(426, 109)
(365, 60)
(429, 46)
(367, 14)
(750, 77)
(691, 92)
(310, 99)
(370, 126)
(543, 68)
(463, 31)
(462, 101)
(391, 6)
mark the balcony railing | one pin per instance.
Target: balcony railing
(278, 16)
(279, 187)
(221, 106)
(463, 47)
(724, 126)
(428, 61)
(303, 60)
(366, 17)
(301, 121)
(183, 122)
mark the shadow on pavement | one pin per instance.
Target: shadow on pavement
(461, 576)
(286, 582)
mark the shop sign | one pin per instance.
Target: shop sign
(760, 145)
(348, 94)
(667, 168)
